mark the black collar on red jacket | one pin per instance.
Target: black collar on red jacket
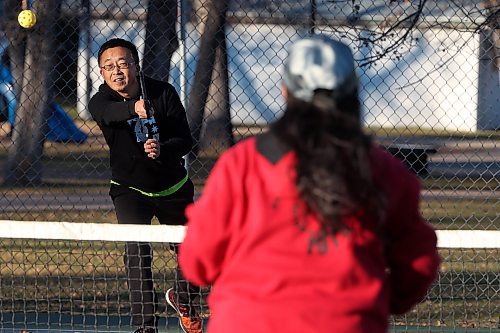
(271, 147)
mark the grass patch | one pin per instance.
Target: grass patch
(430, 132)
(462, 214)
(460, 184)
(75, 277)
(72, 277)
(79, 216)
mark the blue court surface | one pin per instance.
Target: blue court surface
(67, 323)
(442, 329)
(173, 327)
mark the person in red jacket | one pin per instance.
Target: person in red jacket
(310, 227)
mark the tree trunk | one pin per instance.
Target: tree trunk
(16, 37)
(211, 80)
(24, 162)
(494, 11)
(161, 38)
(217, 132)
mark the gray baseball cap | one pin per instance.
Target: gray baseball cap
(319, 62)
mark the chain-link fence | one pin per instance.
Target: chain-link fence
(429, 76)
(429, 73)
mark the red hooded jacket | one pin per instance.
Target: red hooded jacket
(243, 239)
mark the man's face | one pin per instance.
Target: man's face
(119, 71)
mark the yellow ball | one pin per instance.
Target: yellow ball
(26, 19)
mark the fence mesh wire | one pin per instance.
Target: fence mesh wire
(68, 285)
(429, 77)
(73, 278)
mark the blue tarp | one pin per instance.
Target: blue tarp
(61, 127)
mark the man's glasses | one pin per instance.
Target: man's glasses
(120, 65)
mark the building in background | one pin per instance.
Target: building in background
(440, 74)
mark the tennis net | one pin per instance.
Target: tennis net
(70, 277)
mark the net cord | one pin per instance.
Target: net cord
(483, 239)
(91, 231)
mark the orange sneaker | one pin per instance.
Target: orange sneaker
(189, 319)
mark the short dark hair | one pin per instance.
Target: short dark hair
(118, 42)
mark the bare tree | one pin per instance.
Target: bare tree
(493, 21)
(17, 43)
(208, 109)
(32, 84)
(161, 38)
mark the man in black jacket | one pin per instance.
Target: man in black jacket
(148, 177)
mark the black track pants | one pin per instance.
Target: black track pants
(134, 208)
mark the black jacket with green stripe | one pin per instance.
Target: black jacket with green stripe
(130, 165)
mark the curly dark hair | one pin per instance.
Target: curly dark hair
(333, 158)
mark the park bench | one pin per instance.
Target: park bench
(415, 156)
